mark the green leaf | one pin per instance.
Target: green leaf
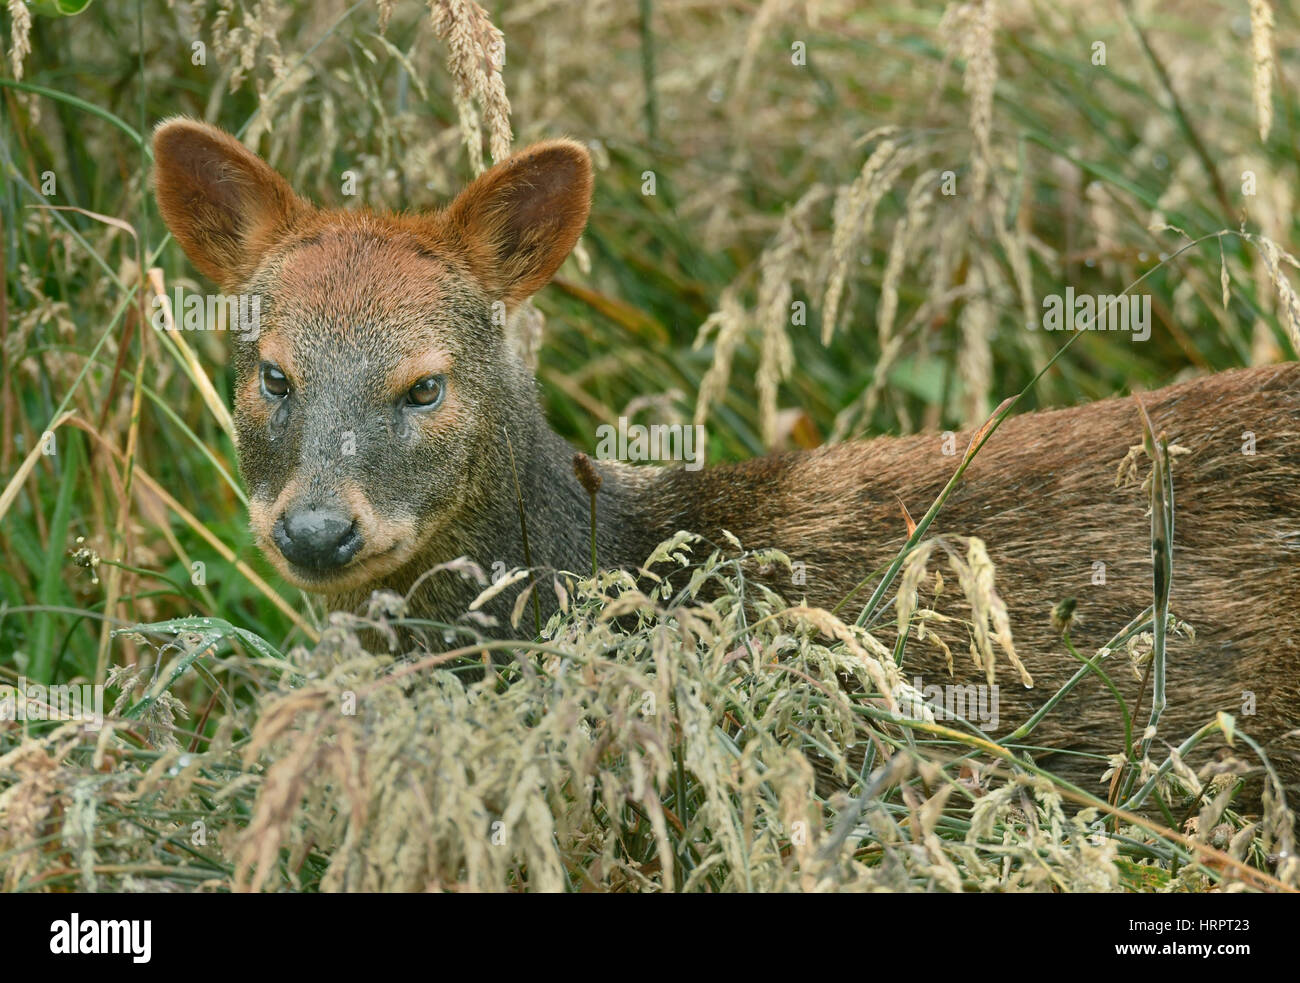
(58, 8)
(52, 588)
(211, 632)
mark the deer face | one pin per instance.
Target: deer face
(371, 396)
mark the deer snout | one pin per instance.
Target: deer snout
(320, 539)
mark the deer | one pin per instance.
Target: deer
(386, 425)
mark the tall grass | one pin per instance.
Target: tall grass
(799, 156)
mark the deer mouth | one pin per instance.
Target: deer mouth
(364, 568)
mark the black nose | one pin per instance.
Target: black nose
(318, 539)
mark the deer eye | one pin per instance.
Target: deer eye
(428, 393)
(274, 382)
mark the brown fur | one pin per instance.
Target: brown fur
(1042, 495)
(359, 305)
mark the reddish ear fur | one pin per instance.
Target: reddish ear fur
(514, 225)
(222, 202)
(518, 221)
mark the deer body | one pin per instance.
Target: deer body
(383, 421)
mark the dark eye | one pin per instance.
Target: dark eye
(427, 394)
(274, 382)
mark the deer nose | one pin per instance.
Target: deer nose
(318, 539)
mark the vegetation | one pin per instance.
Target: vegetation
(813, 220)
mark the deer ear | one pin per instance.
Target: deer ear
(518, 221)
(223, 203)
